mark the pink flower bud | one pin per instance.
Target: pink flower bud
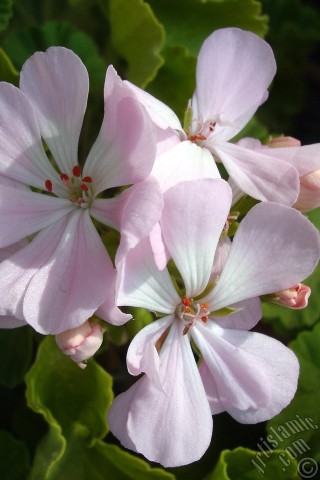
(81, 343)
(278, 142)
(294, 297)
(309, 195)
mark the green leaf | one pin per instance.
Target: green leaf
(68, 398)
(64, 394)
(7, 71)
(138, 37)
(175, 82)
(74, 402)
(189, 22)
(49, 452)
(297, 428)
(5, 13)
(246, 464)
(14, 458)
(16, 353)
(119, 464)
(95, 461)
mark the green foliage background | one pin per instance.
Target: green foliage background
(53, 416)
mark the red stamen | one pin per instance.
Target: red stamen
(48, 185)
(199, 136)
(84, 187)
(76, 171)
(204, 319)
(64, 177)
(187, 328)
(187, 310)
(186, 301)
(87, 179)
(204, 305)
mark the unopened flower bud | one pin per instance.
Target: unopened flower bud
(81, 343)
(309, 195)
(295, 297)
(278, 142)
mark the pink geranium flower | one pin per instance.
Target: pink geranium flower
(64, 274)
(234, 70)
(166, 414)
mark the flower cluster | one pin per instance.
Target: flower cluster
(187, 250)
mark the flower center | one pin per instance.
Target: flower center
(79, 188)
(200, 131)
(196, 130)
(190, 312)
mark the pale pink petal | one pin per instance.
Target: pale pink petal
(74, 282)
(305, 159)
(7, 321)
(234, 70)
(140, 213)
(185, 161)
(22, 157)
(111, 313)
(247, 317)
(220, 257)
(274, 248)
(166, 139)
(58, 280)
(120, 409)
(57, 83)
(238, 376)
(142, 284)
(237, 193)
(256, 376)
(142, 355)
(125, 149)
(17, 271)
(12, 248)
(160, 113)
(109, 210)
(193, 217)
(172, 428)
(260, 176)
(24, 213)
(211, 389)
(108, 311)
(9, 182)
(159, 248)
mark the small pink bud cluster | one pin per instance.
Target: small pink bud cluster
(81, 343)
(295, 297)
